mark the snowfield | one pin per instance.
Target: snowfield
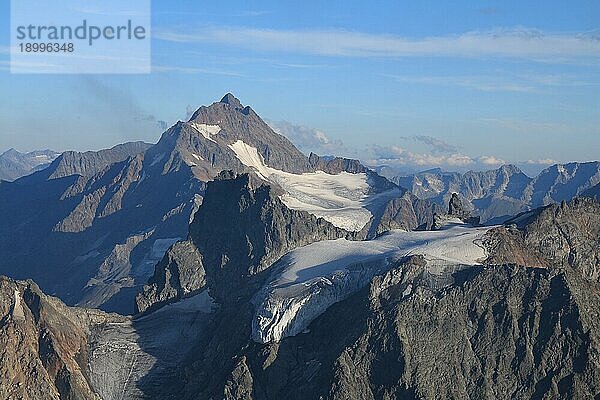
(208, 131)
(312, 278)
(341, 199)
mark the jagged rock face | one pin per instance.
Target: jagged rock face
(242, 123)
(242, 231)
(14, 164)
(179, 274)
(506, 246)
(456, 207)
(499, 194)
(407, 212)
(43, 345)
(568, 235)
(457, 212)
(336, 165)
(239, 231)
(562, 182)
(493, 193)
(506, 332)
(89, 239)
(565, 235)
(91, 162)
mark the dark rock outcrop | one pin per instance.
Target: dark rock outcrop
(241, 229)
(179, 274)
(335, 165)
(456, 207)
(406, 212)
(565, 235)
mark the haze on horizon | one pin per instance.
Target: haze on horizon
(412, 85)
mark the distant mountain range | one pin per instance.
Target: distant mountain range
(499, 194)
(14, 164)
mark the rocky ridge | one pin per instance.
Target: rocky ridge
(497, 195)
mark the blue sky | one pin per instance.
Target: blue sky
(466, 85)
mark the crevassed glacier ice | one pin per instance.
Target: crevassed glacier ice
(312, 278)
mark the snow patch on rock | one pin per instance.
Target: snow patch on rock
(17, 311)
(208, 131)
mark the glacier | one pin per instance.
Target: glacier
(309, 279)
(342, 199)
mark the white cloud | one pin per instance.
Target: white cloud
(405, 160)
(515, 43)
(436, 144)
(400, 159)
(490, 160)
(397, 155)
(193, 70)
(481, 83)
(307, 139)
(544, 161)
